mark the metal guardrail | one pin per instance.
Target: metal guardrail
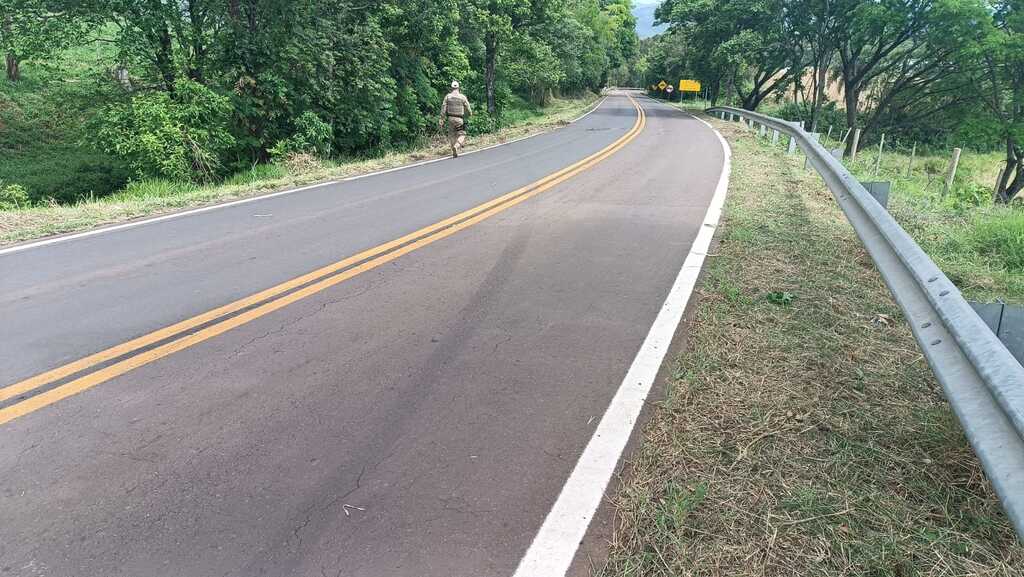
(983, 382)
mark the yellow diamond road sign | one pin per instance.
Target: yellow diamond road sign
(662, 84)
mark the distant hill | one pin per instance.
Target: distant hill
(644, 12)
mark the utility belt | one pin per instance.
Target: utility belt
(454, 115)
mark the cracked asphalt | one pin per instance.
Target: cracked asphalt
(416, 420)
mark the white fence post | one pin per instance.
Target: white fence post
(951, 173)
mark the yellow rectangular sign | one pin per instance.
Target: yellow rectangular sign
(689, 86)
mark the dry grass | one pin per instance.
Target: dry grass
(802, 433)
(158, 197)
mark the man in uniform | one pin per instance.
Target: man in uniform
(454, 112)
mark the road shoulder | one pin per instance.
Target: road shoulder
(800, 430)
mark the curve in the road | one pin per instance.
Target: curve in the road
(52, 386)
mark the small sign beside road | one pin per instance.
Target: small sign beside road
(662, 85)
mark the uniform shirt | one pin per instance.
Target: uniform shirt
(455, 99)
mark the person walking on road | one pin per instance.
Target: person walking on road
(455, 110)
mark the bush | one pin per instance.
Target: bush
(64, 172)
(481, 122)
(184, 137)
(311, 136)
(13, 196)
(831, 115)
(970, 195)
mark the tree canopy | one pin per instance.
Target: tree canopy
(205, 86)
(901, 66)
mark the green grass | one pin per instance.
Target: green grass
(801, 436)
(150, 197)
(45, 142)
(979, 245)
(1001, 239)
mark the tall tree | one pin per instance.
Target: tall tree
(746, 41)
(874, 38)
(37, 29)
(996, 65)
(813, 26)
(497, 21)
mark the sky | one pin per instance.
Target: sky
(644, 12)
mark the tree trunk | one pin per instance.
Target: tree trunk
(490, 65)
(753, 100)
(820, 78)
(13, 68)
(164, 59)
(852, 96)
(1012, 180)
(716, 87)
(198, 65)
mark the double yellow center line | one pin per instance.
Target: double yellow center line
(43, 389)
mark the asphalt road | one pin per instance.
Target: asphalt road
(417, 417)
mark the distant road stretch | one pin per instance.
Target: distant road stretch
(393, 376)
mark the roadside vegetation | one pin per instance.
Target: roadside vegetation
(977, 242)
(115, 103)
(918, 78)
(158, 195)
(802, 432)
(938, 73)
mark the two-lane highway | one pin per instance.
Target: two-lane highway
(393, 375)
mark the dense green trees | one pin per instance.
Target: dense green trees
(204, 87)
(996, 68)
(37, 29)
(911, 67)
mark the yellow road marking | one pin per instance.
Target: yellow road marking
(373, 257)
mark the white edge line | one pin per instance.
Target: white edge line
(133, 224)
(553, 548)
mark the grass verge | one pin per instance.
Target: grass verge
(979, 245)
(802, 432)
(148, 198)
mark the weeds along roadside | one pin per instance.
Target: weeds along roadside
(153, 197)
(802, 432)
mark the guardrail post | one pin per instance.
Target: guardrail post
(856, 143)
(792, 145)
(775, 137)
(762, 131)
(814, 136)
